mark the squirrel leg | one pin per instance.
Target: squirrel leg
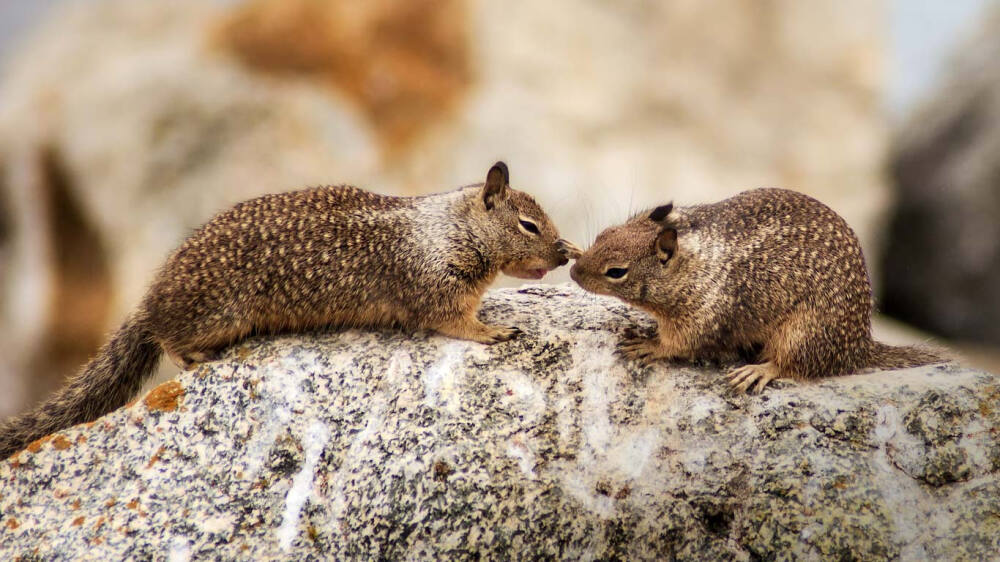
(468, 327)
(798, 348)
(188, 354)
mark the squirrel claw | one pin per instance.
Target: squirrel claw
(743, 378)
(641, 350)
(506, 334)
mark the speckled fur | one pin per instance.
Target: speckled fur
(327, 256)
(769, 270)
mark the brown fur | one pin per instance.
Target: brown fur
(768, 269)
(327, 256)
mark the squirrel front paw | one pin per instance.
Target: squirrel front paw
(644, 351)
(474, 330)
(502, 333)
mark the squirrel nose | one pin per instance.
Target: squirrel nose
(563, 260)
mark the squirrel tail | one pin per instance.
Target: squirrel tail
(886, 356)
(113, 377)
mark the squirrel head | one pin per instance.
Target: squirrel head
(627, 260)
(528, 244)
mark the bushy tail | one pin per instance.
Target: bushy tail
(113, 377)
(899, 357)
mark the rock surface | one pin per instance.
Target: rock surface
(362, 445)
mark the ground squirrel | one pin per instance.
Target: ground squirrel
(770, 271)
(327, 256)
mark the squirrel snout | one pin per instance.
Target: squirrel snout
(563, 260)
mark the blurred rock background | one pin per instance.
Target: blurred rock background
(124, 125)
(942, 259)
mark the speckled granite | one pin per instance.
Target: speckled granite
(379, 445)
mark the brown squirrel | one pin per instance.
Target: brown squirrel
(769, 269)
(326, 256)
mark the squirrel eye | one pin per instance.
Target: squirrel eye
(528, 226)
(616, 272)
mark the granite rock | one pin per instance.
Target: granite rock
(361, 445)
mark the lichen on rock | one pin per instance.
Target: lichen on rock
(348, 445)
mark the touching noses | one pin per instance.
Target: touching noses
(567, 250)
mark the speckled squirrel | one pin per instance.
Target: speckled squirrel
(327, 256)
(768, 269)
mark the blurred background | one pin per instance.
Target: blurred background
(124, 125)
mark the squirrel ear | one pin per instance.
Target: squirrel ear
(497, 180)
(666, 244)
(661, 212)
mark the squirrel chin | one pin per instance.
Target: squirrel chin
(536, 273)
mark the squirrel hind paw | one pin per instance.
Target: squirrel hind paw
(743, 378)
(188, 361)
